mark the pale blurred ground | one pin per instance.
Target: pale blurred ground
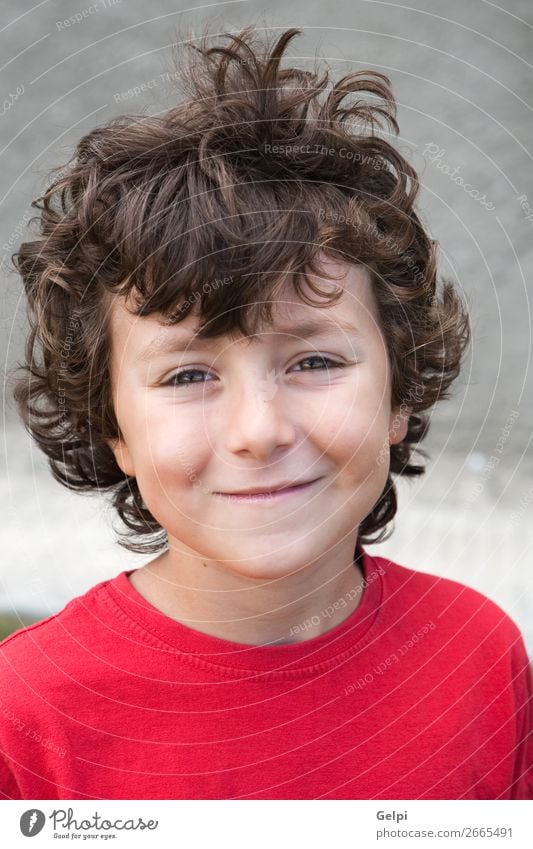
(462, 76)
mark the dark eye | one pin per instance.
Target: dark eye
(332, 363)
(184, 373)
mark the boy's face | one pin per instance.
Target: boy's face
(257, 414)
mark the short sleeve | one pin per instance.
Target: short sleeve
(522, 787)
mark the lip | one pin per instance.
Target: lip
(268, 495)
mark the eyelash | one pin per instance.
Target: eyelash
(172, 380)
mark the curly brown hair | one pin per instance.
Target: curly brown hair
(259, 168)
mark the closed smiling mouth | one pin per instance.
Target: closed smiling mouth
(272, 492)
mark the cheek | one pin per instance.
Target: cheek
(362, 446)
(357, 439)
(358, 420)
(174, 446)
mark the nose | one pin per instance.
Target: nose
(258, 420)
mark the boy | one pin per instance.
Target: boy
(248, 433)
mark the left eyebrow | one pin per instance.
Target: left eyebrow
(306, 330)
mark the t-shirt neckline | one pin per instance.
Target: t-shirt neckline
(229, 657)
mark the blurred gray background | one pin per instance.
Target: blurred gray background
(462, 75)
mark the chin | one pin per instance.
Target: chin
(269, 566)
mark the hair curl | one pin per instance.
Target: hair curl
(260, 168)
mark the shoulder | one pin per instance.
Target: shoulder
(49, 627)
(452, 605)
(39, 653)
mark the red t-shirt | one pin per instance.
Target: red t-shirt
(423, 692)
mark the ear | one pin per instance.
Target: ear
(122, 456)
(399, 420)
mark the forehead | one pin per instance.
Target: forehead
(356, 309)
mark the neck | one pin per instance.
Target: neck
(206, 596)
